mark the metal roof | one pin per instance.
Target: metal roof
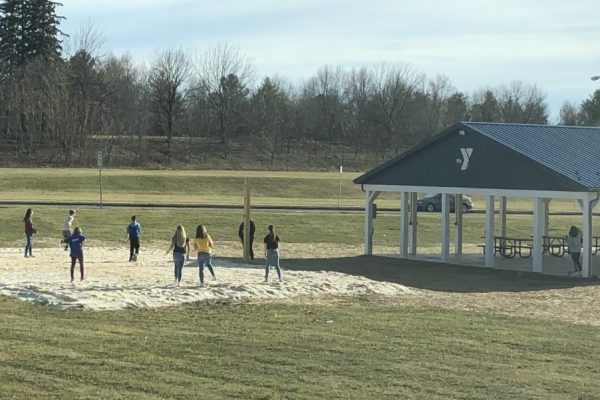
(571, 151)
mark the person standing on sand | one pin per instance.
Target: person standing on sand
(29, 232)
(75, 242)
(272, 253)
(204, 244)
(180, 244)
(574, 241)
(134, 231)
(251, 236)
(66, 229)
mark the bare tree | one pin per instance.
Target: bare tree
(395, 85)
(359, 91)
(225, 76)
(168, 76)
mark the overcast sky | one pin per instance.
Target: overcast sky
(485, 43)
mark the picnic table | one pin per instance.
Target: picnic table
(510, 247)
(557, 245)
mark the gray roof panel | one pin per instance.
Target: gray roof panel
(571, 151)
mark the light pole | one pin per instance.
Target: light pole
(595, 77)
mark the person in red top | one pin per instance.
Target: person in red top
(29, 232)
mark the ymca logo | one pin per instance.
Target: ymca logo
(466, 153)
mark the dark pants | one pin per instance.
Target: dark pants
(575, 257)
(29, 244)
(73, 261)
(134, 247)
(250, 251)
(178, 260)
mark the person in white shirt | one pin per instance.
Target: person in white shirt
(66, 229)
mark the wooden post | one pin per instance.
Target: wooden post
(247, 221)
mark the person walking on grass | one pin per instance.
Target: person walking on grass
(66, 229)
(134, 231)
(75, 242)
(574, 241)
(272, 253)
(251, 236)
(180, 244)
(204, 244)
(29, 232)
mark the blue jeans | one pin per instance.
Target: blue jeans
(272, 259)
(205, 259)
(29, 244)
(178, 260)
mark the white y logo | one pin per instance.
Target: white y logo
(466, 155)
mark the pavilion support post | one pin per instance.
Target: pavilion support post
(586, 224)
(445, 234)
(546, 216)
(489, 232)
(538, 232)
(370, 197)
(413, 224)
(502, 215)
(458, 234)
(404, 221)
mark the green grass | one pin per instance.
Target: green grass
(204, 187)
(364, 349)
(373, 348)
(108, 225)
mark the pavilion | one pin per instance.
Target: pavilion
(542, 162)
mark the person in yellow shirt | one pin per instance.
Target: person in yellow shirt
(204, 244)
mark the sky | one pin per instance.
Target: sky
(476, 44)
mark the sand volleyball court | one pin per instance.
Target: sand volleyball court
(113, 283)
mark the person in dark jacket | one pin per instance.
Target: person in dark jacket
(29, 232)
(241, 235)
(134, 231)
(272, 253)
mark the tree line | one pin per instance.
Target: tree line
(62, 99)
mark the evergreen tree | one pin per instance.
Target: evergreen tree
(28, 30)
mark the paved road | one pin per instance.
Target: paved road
(9, 203)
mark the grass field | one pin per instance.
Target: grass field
(350, 349)
(337, 348)
(206, 187)
(107, 226)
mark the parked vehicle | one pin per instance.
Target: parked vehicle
(433, 202)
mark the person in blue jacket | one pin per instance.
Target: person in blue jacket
(134, 231)
(75, 242)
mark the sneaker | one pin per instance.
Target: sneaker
(26, 256)
(31, 255)
(201, 285)
(266, 281)
(134, 258)
(214, 278)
